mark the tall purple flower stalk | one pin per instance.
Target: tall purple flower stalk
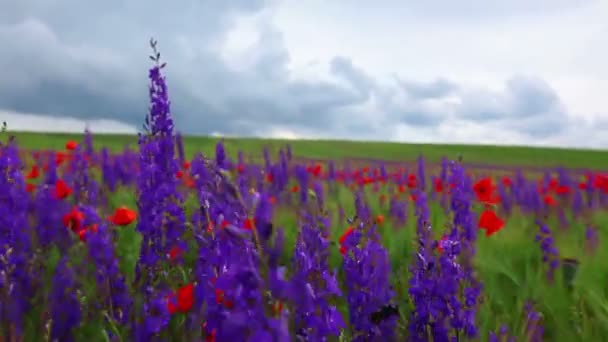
(428, 318)
(534, 330)
(366, 271)
(443, 288)
(85, 187)
(64, 303)
(16, 279)
(161, 219)
(550, 254)
(591, 239)
(112, 289)
(160, 205)
(314, 285)
(463, 221)
(49, 211)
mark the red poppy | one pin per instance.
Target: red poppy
(248, 224)
(272, 200)
(186, 165)
(484, 190)
(123, 216)
(348, 231)
(209, 336)
(438, 185)
(277, 307)
(34, 173)
(269, 178)
(562, 190)
(380, 219)
(188, 181)
(175, 252)
(411, 181)
(343, 239)
(240, 168)
(506, 181)
(82, 233)
(220, 299)
(553, 184)
(179, 174)
(295, 188)
(317, 170)
(219, 296)
(181, 301)
(549, 200)
(60, 157)
(62, 190)
(490, 222)
(73, 219)
(601, 182)
(71, 145)
(29, 187)
(440, 244)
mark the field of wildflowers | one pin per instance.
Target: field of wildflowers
(151, 245)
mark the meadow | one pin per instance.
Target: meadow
(169, 238)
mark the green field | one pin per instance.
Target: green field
(327, 149)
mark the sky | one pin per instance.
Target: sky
(523, 72)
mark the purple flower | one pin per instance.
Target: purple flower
(550, 254)
(534, 330)
(313, 285)
(591, 239)
(17, 282)
(162, 219)
(64, 303)
(111, 286)
(220, 155)
(367, 270)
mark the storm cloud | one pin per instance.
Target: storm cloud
(89, 61)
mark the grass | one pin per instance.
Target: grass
(328, 149)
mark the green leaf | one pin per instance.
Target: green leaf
(128, 248)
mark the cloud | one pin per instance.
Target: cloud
(57, 124)
(230, 72)
(526, 104)
(484, 10)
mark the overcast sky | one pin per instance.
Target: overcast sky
(475, 71)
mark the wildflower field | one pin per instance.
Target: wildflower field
(192, 239)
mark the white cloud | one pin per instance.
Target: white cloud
(518, 72)
(564, 47)
(44, 123)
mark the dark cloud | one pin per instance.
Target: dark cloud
(343, 67)
(527, 104)
(88, 60)
(436, 89)
(86, 74)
